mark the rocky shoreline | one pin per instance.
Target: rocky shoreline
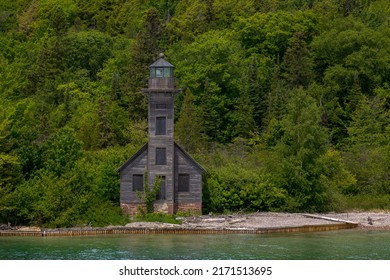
(367, 220)
(243, 222)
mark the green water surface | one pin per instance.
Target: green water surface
(334, 245)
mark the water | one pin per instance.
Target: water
(335, 245)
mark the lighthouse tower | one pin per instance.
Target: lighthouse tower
(181, 176)
(161, 93)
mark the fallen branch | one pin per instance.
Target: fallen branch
(237, 221)
(328, 219)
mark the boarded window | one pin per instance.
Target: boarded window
(184, 182)
(161, 193)
(161, 125)
(161, 156)
(138, 182)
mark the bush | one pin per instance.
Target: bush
(367, 202)
(234, 188)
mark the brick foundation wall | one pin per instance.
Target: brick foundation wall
(168, 208)
(195, 208)
(131, 209)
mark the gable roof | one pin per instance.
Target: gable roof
(133, 157)
(145, 147)
(189, 158)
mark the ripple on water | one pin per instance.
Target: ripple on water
(347, 245)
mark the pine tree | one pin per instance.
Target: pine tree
(58, 21)
(116, 90)
(144, 52)
(354, 98)
(211, 119)
(188, 128)
(244, 114)
(107, 136)
(369, 120)
(210, 15)
(145, 49)
(277, 97)
(368, 146)
(256, 94)
(297, 62)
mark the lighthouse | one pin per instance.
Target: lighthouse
(180, 175)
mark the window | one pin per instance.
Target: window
(161, 193)
(159, 72)
(168, 72)
(138, 182)
(161, 123)
(161, 156)
(184, 182)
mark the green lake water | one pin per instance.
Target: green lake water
(334, 245)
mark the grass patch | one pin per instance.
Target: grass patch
(156, 217)
(367, 202)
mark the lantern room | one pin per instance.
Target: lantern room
(161, 74)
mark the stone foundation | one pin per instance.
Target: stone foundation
(168, 208)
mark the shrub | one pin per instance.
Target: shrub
(367, 202)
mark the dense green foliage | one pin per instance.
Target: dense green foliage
(286, 103)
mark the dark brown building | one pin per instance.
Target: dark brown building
(181, 176)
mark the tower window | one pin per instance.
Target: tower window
(161, 125)
(161, 156)
(161, 193)
(138, 182)
(184, 182)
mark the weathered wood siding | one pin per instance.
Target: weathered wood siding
(185, 166)
(161, 105)
(157, 99)
(138, 166)
(161, 83)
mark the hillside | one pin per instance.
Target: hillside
(285, 103)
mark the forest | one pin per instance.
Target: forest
(285, 103)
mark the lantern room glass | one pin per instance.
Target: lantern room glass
(161, 72)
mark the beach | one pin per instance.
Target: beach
(258, 222)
